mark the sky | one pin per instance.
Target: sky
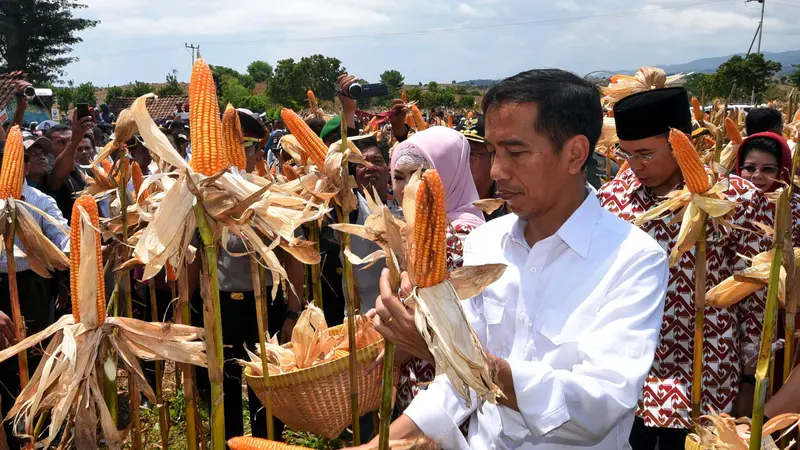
(426, 40)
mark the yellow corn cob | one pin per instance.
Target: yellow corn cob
(127, 168)
(171, 276)
(469, 115)
(710, 143)
(410, 120)
(733, 131)
(312, 99)
(233, 137)
(419, 122)
(289, 172)
(450, 121)
(208, 152)
(90, 206)
(625, 166)
(137, 177)
(13, 171)
(694, 173)
(251, 443)
(107, 166)
(698, 113)
(261, 168)
(404, 97)
(311, 143)
(430, 246)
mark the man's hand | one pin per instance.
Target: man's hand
(395, 322)
(348, 104)
(398, 119)
(79, 127)
(8, 335)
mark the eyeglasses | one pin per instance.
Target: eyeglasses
(765, 170)
(642, 159)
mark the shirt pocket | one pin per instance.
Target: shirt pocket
(493, 312)
(557, 335)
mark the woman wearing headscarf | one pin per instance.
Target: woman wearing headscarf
(766, 161)
(447, 151)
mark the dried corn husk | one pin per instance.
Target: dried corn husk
(306, 337)
(745, 282)
(725, 432)
(43, 256)
(490, 205)
(646, 78)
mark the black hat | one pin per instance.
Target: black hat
(251, 126)
(651, 113)
(474, 129)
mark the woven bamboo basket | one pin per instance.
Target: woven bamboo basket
(317, 399)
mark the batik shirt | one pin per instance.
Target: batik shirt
(731, 334)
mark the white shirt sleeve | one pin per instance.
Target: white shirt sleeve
(617, 353)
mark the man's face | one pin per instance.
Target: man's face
(85, 152)
(252, 154)
(60, 140)
(651, 160)
(36, 161)
(530, 174)
(374, 176)
(480, 163)
(142, 156)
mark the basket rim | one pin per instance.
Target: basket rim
(302, 376)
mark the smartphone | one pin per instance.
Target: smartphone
(83, 110)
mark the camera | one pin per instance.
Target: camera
(357, 91)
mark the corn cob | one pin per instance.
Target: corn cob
(107, 167)
(710, 143)
(261, 168)
(13, 171)
(698, 113)
(694, 173)
(404, 97)
(430, 249)
(625, 166)
(311, 143)
(312, 99)
(126, 166)
(251, 443)
(419, 121)
(90, 206)
(289, 172)
(233, 137)
(137, 177)
(733, 131)
(208, 153)
(410, 121)
(171, 276)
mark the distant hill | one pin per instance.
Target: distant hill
(709, 65)
(488, 83)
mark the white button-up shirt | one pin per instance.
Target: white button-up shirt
(577, 317)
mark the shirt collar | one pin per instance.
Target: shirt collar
(576, 232)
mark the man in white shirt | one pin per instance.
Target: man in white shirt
(572, 325)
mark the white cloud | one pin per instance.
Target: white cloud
(470, 11)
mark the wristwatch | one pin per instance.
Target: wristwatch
(293, 315)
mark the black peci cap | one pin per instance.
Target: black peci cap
(652, 113)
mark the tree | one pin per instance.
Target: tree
(466, 102)
(393, 79)
(219, 71)
(741, 76)
(113, 92)
(292, 80)
(261, 71)
(65, 96)
(85, 93)
(37, 36)
(137, 89)
(702, 85)
(794, 77)
(172, 87)
(433, 86)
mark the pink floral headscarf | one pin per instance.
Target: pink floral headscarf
(447, 151)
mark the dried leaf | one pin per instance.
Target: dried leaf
(469, 281)
(490, 205)
(306, 336)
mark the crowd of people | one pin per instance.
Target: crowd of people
(589, 331)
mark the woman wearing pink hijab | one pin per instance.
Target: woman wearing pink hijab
(447, 151)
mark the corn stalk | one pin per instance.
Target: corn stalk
(387, 383)
(351, 307)
(213, 325)
(259, 277)
(16, 311)
(189, 398)
(791, 294)
(163, 409)
(768, 330)
(110, 369)
(316, 279)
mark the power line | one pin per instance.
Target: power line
(534, 23)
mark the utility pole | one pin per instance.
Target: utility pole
(759, 32)
(195, 50)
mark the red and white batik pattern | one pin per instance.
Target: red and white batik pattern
(731, 334)
(417, 373)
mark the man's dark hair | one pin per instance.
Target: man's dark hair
(57, 128)
(373, 142)
(316, 124)
(567, 104)
(759, 120)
